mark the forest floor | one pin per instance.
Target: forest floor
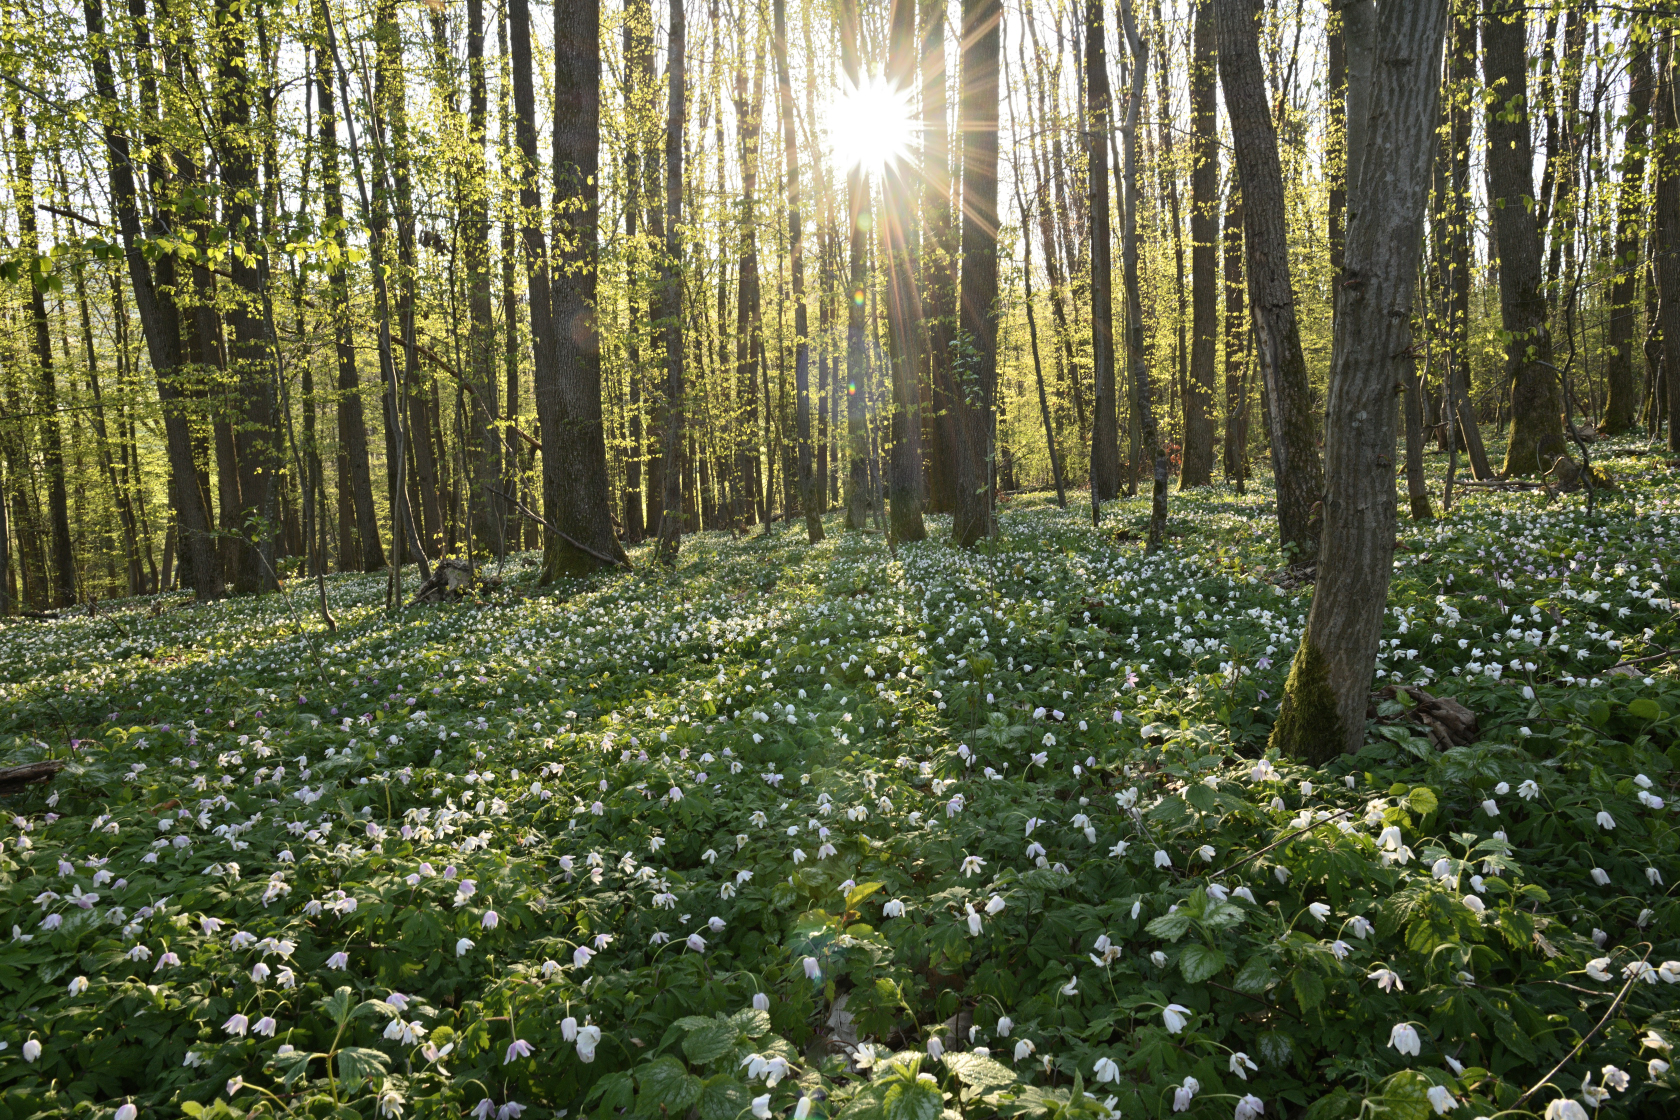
(819, 831)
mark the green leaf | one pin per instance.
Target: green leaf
(982, 1073)
(292, 1066)
(615, 1091)
(1643, 708)
(723, 1098)
(1309, 988)
(710, 1042)
(860, 892)
(913, 1099)
(751, 1022)
(357, 1064)
(665, 1083)
(337, 1006)
(1422, 801)
(1404, 1096)
(1198, 962)
(1256, 975)
(1170, 926)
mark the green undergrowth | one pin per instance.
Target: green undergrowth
(979, 833)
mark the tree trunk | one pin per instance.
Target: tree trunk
(1236, 331)
(1143, 405)
(796, 266)
(1105, 432)
(904, 300)
(1536, 444)
(358, 521)
(576, 500)
(977, 335)
(1665, 152)
(1197, 467)
(159, 318)
(1283, 366)
(1622, 407)
(51, 434)
(857, 497)
(939, 262)
(671, 284)
(484, 449)
(1324, 702)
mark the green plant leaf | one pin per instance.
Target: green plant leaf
(1199, 963)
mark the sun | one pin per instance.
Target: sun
(871, 125)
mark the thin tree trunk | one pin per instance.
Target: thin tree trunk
(1323, 711)
(1236, 330)
(904, 300)
(1283, 367)
(1665, 153)
(939, 263)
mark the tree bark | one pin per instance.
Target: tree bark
(1197, 467)
(1283, 366)
(356, 475)
(1622, 406)
(1105, 431)
(939, 262)
(671, 285)
(489, 511)
(904, 301)
(1536, 444)
(1665, 151)
(576, 500)
(858, 498)
(977, 337)
(52, 436)
(1236, 331)
(1324, 702)
(160, 319)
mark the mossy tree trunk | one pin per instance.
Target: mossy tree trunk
(1388, 188)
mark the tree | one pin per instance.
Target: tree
(576, 500)
(808, 500)
(858, 498)
(976, 372)
(1283, 365)
(1105, 431)
(1536, 444)
(1323, 710)
(1204, 255)
(1622, 404)
(1665, 152)
(671, 282)
(904, 303)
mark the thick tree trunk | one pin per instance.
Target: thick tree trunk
(1536, 444)
(484, 449)
(858, 496)
(1621, 410)
(1105, 432)
(576, 500)
(1283, 366)
(1204, 255)
(1323, 711)
(796, 268)
(671, 284)
(904, 301)
(977, 332)
(249, 356)
(1665, 152)
(159, 318)
(939, 262)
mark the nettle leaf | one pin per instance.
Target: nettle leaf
(1309, 988)
(1199, 963)
(723, 1098)
(751, 1022)
(615, 1091)
(1256, 975)
(357, 1064)
(291, 1066)
(1170, 926)
(1403, 1096)
(709, 1042)
(664, 1083)
(913, 1099)
(980, 1072)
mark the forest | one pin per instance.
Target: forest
(880, 559)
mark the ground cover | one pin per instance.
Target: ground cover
(833, 831)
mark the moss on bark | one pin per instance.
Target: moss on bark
(1309, 728)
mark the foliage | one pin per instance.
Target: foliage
(772, 824)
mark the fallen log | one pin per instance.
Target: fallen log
(15, 778)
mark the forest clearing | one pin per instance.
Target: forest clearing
(868, 559)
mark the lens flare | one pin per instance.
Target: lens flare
(871, 125)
